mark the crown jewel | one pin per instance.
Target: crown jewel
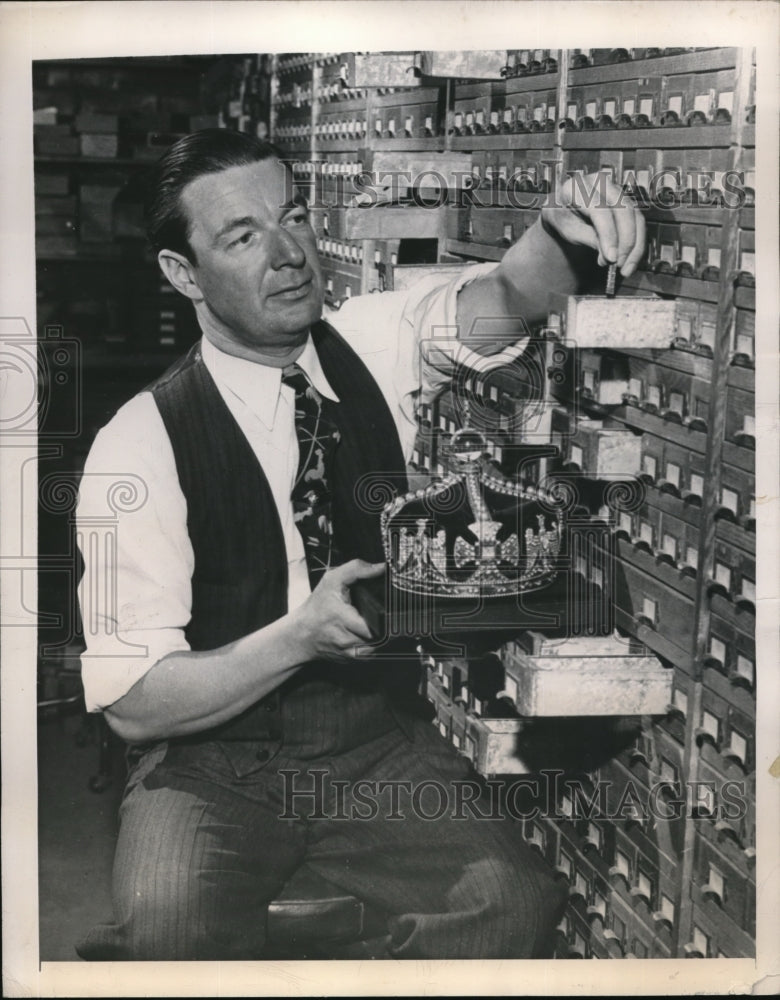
(473, 533)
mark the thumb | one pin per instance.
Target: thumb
(357, 569)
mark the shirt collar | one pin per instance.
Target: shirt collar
(257, 385)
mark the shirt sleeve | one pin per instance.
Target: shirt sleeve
(135, 594)
(409, 340)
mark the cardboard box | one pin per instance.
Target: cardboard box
(473, 65)
(584, 676)
(55, 225)
(99, 144)
(96, 212)
(604, 452)
(45, 116)
(92, 121)
(51, 184)
(618, 323)
(198, 122)
(495, 746)
(55, 140)
(385, 69)
(54, 205)
(57, 246)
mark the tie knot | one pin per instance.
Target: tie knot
(295, 377)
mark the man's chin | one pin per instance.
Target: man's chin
(300, 315)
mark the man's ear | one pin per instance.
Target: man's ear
(180, 273)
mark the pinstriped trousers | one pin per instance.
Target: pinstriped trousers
(204, 846)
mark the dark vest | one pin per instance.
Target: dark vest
(239, 583)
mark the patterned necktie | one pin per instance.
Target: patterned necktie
(311, 497)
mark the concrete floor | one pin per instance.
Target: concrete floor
(76, 835)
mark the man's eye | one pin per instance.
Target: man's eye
(243, 239)
(298, 219)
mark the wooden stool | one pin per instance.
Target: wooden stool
(311, 918)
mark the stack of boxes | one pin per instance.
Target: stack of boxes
(98, 124)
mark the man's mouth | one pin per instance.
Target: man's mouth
(292, 292)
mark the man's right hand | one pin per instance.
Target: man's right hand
(326, 625)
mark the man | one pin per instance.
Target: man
(232, 584)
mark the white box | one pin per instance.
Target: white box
(582, 677)
(623, 322)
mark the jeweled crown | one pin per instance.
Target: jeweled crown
(472, 533)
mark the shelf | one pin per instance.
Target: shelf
(743, 459)
(394, 223)
(741, 378)
(93, 161)
(685, 62)
(743, 620)
(405, 98)
(655, 641)
(481, 251)
(650, 423)
(670, 284)
(701, 215)
(431, 144)
(487, 197)
(670, 576)
(348, 104)
(510, 140)
(678, 360)
(528, 84)
(355, 146)
(683, 137)
(736, 535)
(669, 504)
(174, 63)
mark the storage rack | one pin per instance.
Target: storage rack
(685, 549)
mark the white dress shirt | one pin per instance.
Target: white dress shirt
(136, 591)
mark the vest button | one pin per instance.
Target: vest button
(263, 755)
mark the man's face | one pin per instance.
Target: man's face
(257, 267)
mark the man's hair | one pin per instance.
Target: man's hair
(206, 152)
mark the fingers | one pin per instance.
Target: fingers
(629, 231)
(603, 222)
(635, 255)
(352, 621)
(618, 232)
(355, 569)
(625, 225)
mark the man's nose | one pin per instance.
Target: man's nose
(286, 250)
